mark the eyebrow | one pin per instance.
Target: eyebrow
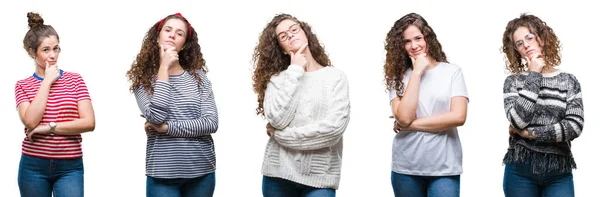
(287, 29)
(174, 28)
(48, 46)
(408, 39)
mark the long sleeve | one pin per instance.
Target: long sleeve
(206, 124)
(323, 133)
(155, 107)
(520, 103)
(571, 126)
(280, 101)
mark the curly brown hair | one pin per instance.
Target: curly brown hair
(146, 64)
(269, 58)
(544, 35)
(397, 60)
(37, 31)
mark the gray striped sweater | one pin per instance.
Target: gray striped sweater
(188, 108)
(551, 105)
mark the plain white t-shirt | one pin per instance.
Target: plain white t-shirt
(424, 153)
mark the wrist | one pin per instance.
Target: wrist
(46, 82)
(417, 73)
(52, 128)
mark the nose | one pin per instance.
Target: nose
(414, 45)
(289, 34)
(526, 45)
(52, 55)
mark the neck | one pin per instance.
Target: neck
(548, 69)
(175, 69)
(40, 71)
(311, 63)
(432, 63)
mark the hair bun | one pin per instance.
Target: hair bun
(34, 19)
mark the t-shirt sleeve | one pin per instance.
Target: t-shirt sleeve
(20, 95)
(459, 88)
(392, 94)
(81, 88)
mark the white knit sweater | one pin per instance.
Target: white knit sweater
(310, 111)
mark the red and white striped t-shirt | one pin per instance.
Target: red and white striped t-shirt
(61, 107)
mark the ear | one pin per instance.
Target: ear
(31, 52)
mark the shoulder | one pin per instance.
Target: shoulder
(567, 75)
(450, 67)
(202, 75)
(336, 73)
(71, 76)
(29, 81)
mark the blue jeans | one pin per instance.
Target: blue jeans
(203, 186)
(425, 186)
(40, 177)
(277, 187)
(519, 180)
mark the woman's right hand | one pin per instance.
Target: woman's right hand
(52, 73)
(420, 62)
(168, 56)
(535, 62)
(299, 58)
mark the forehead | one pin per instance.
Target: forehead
(284, 25)
(48, 41)
(176, 24)
(411, 32)
(520, 33)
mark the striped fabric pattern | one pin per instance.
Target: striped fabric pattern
(61, 106)
(551, 106)
(188, 108)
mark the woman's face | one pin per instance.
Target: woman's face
(173, 34)
(526, 43)
(290, 35)
(414, 41)
(47, 51)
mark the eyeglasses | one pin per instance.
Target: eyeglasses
(529, 38)
(294, 29)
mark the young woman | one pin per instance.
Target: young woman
(55, 108)
(429, 100)
(175, 96)
(305, 101)
(544, 107)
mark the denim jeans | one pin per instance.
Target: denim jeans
(277, 187)
(203, 186)
(39, 177)
(519, 180)
(425, 186)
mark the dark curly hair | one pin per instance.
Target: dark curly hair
(37, 31)
(397, 60)
(544, 35)
(146, 64)
(269, 58)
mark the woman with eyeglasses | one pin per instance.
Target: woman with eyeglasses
(175, 97)
(544, 108)
(306, 103)
(429, 101)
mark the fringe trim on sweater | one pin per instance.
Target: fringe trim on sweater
(540, 162)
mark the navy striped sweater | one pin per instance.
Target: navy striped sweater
(552, 107)
(188, 108)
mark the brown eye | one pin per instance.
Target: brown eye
(295, 29)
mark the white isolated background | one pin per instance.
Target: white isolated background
(100, 39)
